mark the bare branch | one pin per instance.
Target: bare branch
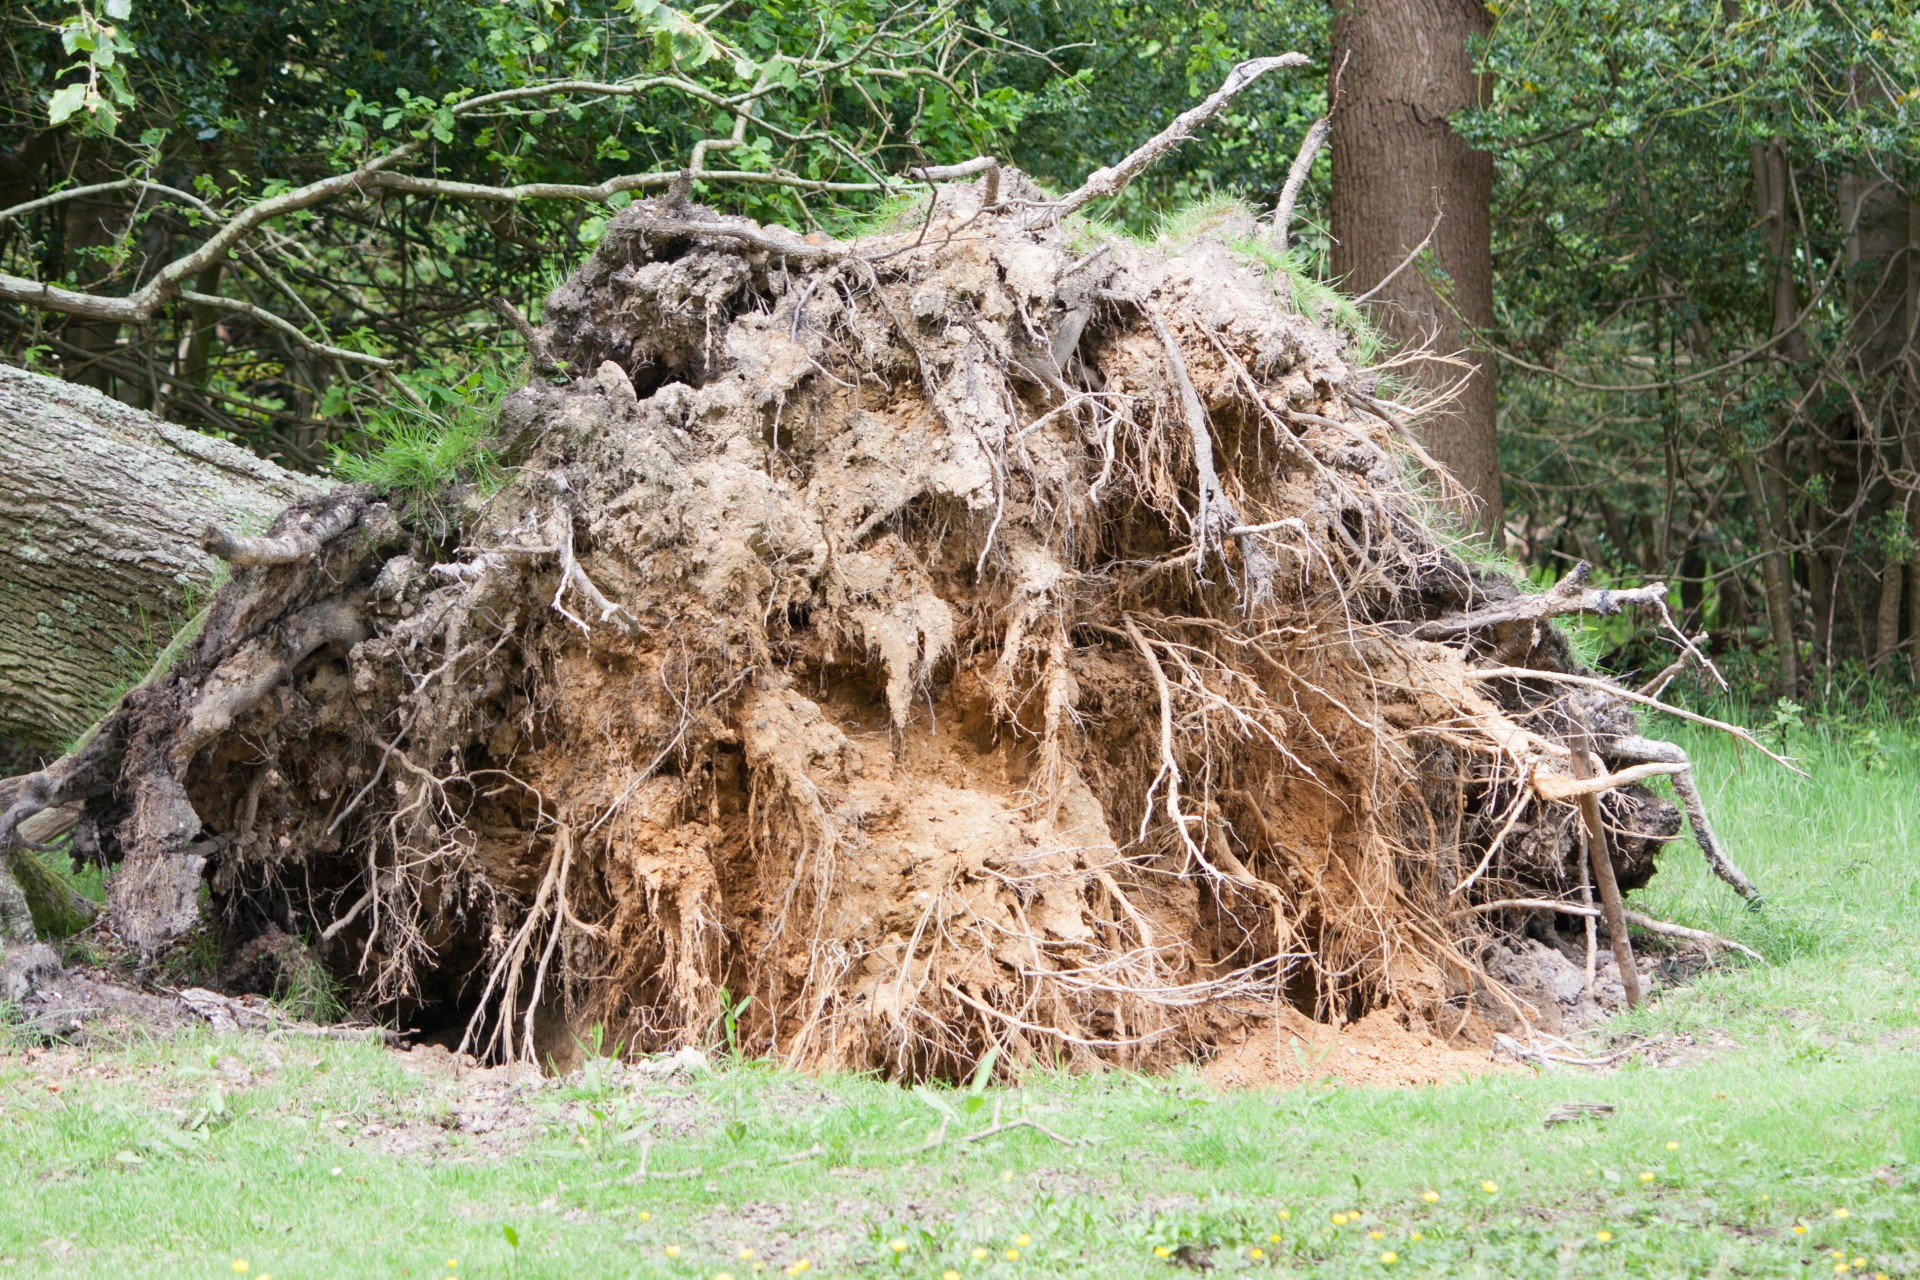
(1113, 180)
(1297, 177)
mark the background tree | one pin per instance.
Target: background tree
(1407, 68)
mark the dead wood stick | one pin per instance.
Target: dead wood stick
(1568, 596)
(292, 547)
(1297, 177)
(1113, 179)
(1668, 930)
(537, 353)
(1600, 854)
(995, 1129)
(1640, 748)
(1526, 904)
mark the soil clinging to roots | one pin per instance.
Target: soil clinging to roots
(987, 632)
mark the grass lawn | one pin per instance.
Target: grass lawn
(1780, 1136)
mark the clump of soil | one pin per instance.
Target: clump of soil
(987, 633)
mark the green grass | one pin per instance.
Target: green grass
(1795, 1099)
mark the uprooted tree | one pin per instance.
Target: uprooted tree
(986, 632)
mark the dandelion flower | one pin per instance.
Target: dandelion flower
(1161, 1251)
(1389, 1257)
(1838, 1254)
(1273, 1237)
(1006, 1175)
(1860, 1262)
(1256, 1253)
(1023, 1239)
(1839, 1268)
(745, 1253)
(452, 1263)
(1799, 1230)
(898, 1246)
(1673, 1146)
(673, 1251)
(1841, 1213)
(1490, 1186)
(239, 1266)
(723, 1275)
(1339, 1219)
(1603, 1236)
(1012, 1255)
(1414, 1236)
(949, 1274)
(1431, 1197)
(980, 1255)
(646, 1215)
(1284, 1215)
(1647, 1176)
(1376, 1235)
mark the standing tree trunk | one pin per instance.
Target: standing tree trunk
(100, 559)
(1396, 162)
(1767, 489)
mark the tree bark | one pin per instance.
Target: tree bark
(1396, 162)
(100, 560)
(1767, 490)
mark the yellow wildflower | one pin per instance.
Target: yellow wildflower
(1006, 1175)
(898, 1246)
(1841, 1213)
(1339, 1219)
(1284, 1215)
(1799, 1230)
(1673, 1146)
(1161, 1251)
(949, 1274)
(1490, 1186)
(646, 1215)
(239, 1266)
(1603, 1236)
(673, 1251)
(1012, 1255)
(1859, 1262)
(1431, 1197)
(980, 1255)
(723, 1275)
(1256, 1253)
(745, 1253)
(1273, 1237)
(1647, 1176)
(1023, 1239)
(1376, 1235)
(1389, 1257)
(1414, 1236)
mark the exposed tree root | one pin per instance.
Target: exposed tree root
(985, 636)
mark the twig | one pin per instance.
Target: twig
(1405, 262)
(999, 1128)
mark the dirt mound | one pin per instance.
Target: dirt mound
(989, 632)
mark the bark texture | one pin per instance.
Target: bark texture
(100, 558)
(1396, 162)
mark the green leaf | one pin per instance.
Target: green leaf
(513, 1237)
(65, 101)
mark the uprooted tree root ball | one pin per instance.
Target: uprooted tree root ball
(988, 632)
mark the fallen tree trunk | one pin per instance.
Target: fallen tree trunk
(990, 634)
(100, 559)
